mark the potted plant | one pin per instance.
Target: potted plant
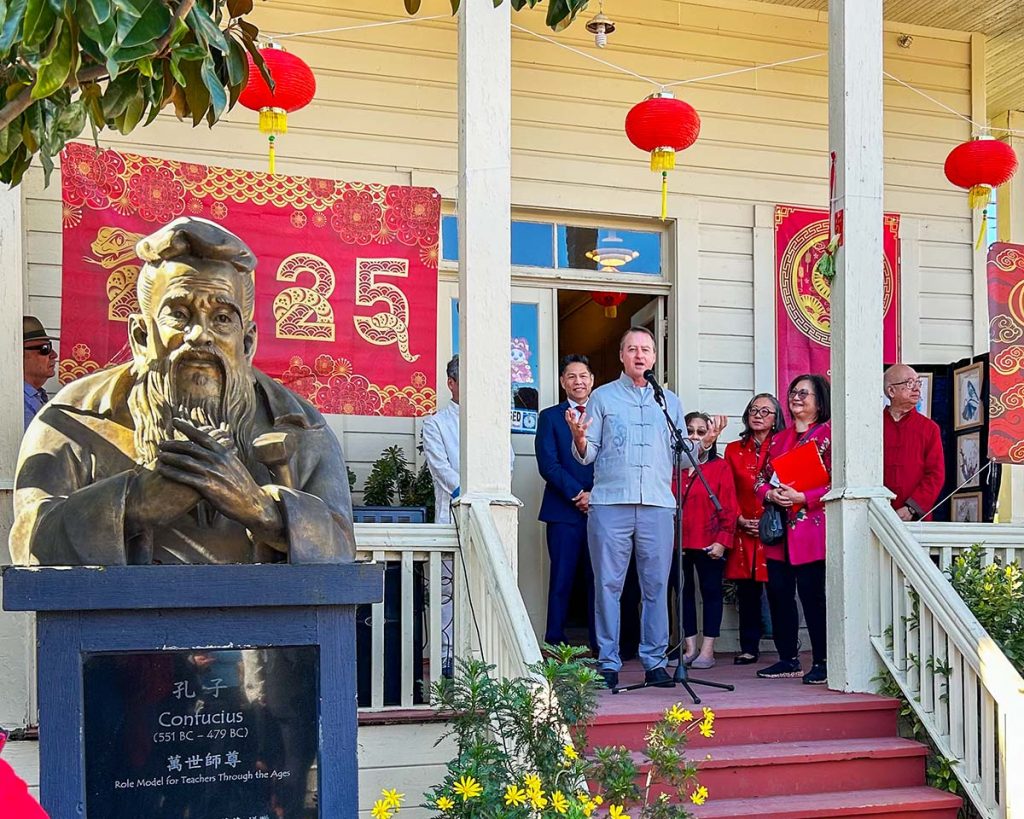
(393, 483)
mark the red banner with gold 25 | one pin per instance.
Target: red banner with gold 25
(346, 279)
(803, 318)
(1006, 352)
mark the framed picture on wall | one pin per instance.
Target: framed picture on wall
(968, 459)
(968, 411)
(966, 508)
(924, 404)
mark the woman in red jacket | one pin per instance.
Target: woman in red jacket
(707, 535)
(15, 800)
(746, 564)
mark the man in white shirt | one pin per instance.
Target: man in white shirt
(440, 440)
(441, 448)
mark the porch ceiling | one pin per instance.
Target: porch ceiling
(1001, 21)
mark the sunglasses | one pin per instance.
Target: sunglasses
(799, 393)
(42, 349)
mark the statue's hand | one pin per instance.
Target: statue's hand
(155, 501)
(216, 472)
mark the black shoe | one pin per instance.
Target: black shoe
(658, 677)
(818, 675)
(781, 669)
(744, 659)
(611, 679)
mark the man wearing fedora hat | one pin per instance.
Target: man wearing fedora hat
(40, 359)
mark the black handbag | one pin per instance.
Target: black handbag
(772, 526)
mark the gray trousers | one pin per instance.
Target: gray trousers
(613, 532)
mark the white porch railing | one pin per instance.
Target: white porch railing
(491, 618)
(961, 686)
(946, 540)
(419, 551)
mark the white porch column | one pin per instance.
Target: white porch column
(15, 628)
(855, 135)
(485, 288)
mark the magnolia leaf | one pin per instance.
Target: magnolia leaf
(12, 22)
(238, 67)
(155, 95)
(218, 96)
(145, 66)
(148, 27)
(104, 34)
(92, 100)
(10, 140)
(116, 97)
(59, 6)
(412, 6)
(70, 120)
(239, 8)
(175, 66)
(260, 63)
(101, 9)
(54, 67)
(206, 29)
(132, 113)
(32, 128)
(39, 22)
(177, 99)
(192, 51)
(196, 94)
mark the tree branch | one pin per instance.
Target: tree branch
(21, 103)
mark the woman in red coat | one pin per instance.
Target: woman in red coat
(797, 565)
(15, 800)
(746, 564)
(707, 535)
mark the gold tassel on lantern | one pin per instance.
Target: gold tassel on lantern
(978, 198)
(611, 311)
(664, 160)
(273, 121)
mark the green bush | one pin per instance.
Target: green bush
(995, 595)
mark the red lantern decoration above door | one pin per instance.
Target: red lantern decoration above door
(979, 166)
(662, 125)
(610, 302)
(294, 88)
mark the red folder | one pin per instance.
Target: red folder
(802, 468)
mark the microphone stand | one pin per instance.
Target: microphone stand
(681, 444)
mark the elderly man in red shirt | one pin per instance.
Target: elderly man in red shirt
(914, 467)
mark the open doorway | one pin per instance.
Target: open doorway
(585, 329)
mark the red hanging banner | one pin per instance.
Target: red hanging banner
(346, 282)
(803, 324)
(1006, 352)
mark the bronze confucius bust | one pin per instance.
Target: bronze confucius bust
(188, 454)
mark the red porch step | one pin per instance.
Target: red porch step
(905, 803)
(810, 767)
(784, 750)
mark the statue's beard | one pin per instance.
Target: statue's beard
(196, 386)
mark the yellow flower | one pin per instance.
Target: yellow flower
(597, 799)
(515, 796)
(537, 799)
(392, 798)
(699, 795)
(706, 729)
(589, 808)
(616, 812)
(570, 752)
(468, 788)
(444, 803)
(559, 803)
(532, 782)
(709, 715)
(380, 810)
(676, 715)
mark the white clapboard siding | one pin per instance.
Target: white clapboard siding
(386, 111)
(410, 757)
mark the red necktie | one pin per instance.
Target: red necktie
(580, 409)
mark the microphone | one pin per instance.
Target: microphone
(659, 393)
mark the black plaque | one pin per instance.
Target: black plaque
(202, 734)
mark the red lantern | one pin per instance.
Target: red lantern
(294, 88)
(610, 302)
(662, 125)
(979, 166)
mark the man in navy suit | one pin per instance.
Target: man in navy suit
(566, 498)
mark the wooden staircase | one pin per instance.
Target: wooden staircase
(787, 750)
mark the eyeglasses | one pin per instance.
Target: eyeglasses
(801, 394)
(42, 349)
(910, 383)
(761, 412)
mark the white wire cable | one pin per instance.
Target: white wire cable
(581, 53)
(396, 22)
(745, 70)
